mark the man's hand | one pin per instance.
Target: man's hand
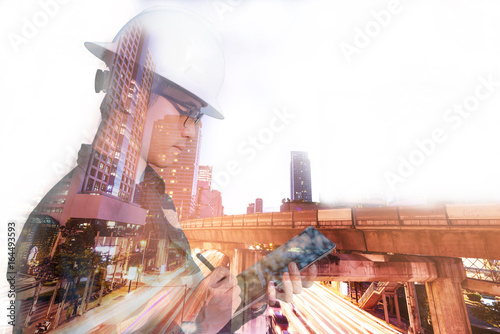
(221, 298)
(292, 283)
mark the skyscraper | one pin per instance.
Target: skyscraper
(107, 168)
(258, 205)
(251, 208)
(106, 172)
(112, 166)
(300, 177)
(182, 176)
(205, 176)
(209, 202)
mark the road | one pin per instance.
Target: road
(148, 309)
(320, 310)
(316, 310)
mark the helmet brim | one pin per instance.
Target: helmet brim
(106, 50)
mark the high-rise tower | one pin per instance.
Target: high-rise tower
(113, 161)
(209, 202)
(300, 177)
(181, 178)
(258, 205)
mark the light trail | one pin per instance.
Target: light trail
(323, 311)
(317, 310)
(130, 312)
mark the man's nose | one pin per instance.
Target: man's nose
(189, 130)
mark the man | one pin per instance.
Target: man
(165, 69)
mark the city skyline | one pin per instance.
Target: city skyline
(367, 123)
(395, 102)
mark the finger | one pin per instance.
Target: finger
(228, 284)
(271, 293)
(295, 278)
(308, 279)
(219, 276)
(286, 293)
(236, 299)
(229, 298)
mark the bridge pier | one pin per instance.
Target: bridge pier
(412, 304)
(244, 258)
(446, 301)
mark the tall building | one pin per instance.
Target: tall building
(107, 169)
(113, 163)
(182, 176)
(216, 207)
(300, 177)
(209, 202)
(251, 208)
(100, 190)
(205, 176)
(258, 205)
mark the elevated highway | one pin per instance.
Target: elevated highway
(432, 239)
(449, 230)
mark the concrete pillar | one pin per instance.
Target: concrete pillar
(396, 306)
(412, 304)
(336, 286)
(244, 258)
(235, 264)
(446, 300)
(386, 312)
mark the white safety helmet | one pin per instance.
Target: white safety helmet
(186, 50)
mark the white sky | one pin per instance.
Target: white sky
(356, 118)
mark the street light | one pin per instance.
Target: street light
(144, 244)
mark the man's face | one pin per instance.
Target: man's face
(170, 133)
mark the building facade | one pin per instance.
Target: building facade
(181, 177)
(300, 177)
(259, 205)
(251, 208)
(99, 192)
(209, 202)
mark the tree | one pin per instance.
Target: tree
(488, 313)
(75, 259)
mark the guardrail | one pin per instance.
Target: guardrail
(444, 216)
(483, 274)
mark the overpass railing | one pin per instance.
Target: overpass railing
(444, 216)
(482, 269)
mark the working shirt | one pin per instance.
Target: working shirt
(161, 218)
